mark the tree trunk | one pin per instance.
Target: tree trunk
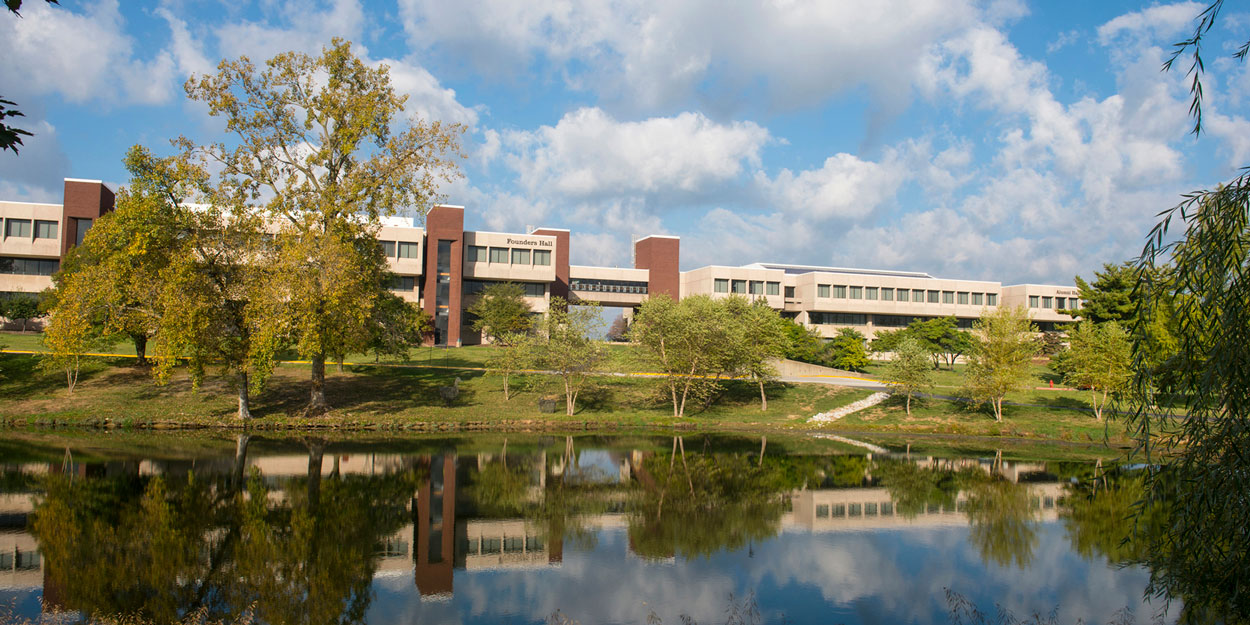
(245, 408)
(317, 399)
(672, 387)
(909, 404)
(316, 451)
(141, 349)
(240, 458)
(763, 444)
(763, 397)
(998, 409)
(506, 396)
(568, 399)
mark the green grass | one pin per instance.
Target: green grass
(387, 397)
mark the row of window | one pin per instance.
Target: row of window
(608, 286)
(22, 229)
(880, 321)
(748, 287)
(29, 266)
(507, 256)
(887, 294)
(531, 289)
(401, 249)
(1057, 303)
(508, 544)
(843, 510)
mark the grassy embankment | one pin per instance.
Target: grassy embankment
(368, 395)
(394, 393)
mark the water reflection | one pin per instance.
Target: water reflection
(307, 531)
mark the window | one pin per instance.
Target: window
(1048, 302)
(963, 297)
(789, 292)
(388, 248)
(740, 287)
(991, 299)
(978, 299)
(887, 294)
(838, 319)
(542, 257)
(891, 321)
(1074, 304)
(870, 292)
(499, 255)
(904, 295)
(1060, 303)
(45, 229)
(408, 249)
(822, 511)
(17, 228)
(933, 297)
(917, 295)
(534, 289)
(857, 292)
(822, 290)
(757, 287)
(1033, 301)
(773, 288)
(870, 509)
(28, 266)
(839, 510)
(608, 286)
(404, 283)
(854, 510)
(839, 291)
(520, 257)
(81, 226)
(476, 254)
(720, 285)
(948, 297)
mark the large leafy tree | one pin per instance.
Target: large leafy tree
(848, 350)
(1110, 296)
(500, 310)
(566, 346)
(1099, 359)
(910, 371)
(999, 363)
(759, 338)
(1203, 553)
(318, 142)
(686, 342)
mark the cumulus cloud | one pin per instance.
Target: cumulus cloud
(845, 186)
(588, 153)
(37, 173)
(1161, 21)
(81, 57)
(654, 55)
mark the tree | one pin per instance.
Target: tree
(999, 363)
(1100, 359)
(565, 346)
(501, 310)
(848, 350)
(67, 338)
(684, 341)
(315, 141)
(120, 261)
(803, 344)
(24, 307)
(516, 352)
(397, 326)
(910, 371)
(759, 337)
(1109, 297)
(1200, 555)
(619, 330)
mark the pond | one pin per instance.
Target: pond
(521, 528)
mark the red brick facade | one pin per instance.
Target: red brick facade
(559, 288)
(445, 223)
(84, 199)
(660, 256)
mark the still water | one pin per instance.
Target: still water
(517, 528)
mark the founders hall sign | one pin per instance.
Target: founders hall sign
(531, 242)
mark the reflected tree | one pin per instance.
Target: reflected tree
(1002, 523)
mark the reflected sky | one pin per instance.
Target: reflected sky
(514, 532)
(887, 576)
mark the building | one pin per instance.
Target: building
(443, 266)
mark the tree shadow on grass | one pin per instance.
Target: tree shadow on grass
(21, 377)
(368, 390)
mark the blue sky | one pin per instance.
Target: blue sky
(1001, 140)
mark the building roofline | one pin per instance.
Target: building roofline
(551, 229)
(657, 236)
(514, 234)
(30, 203)
(459, 206)
(84, 180)
(850, 270)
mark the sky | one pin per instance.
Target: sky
(998, 140)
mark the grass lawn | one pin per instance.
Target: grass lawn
(386, 397)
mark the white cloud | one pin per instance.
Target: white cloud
(37, 173)
(82, 57)
(588, 153)
(650, 55)
(845, 186)
(427, 98)
(1155, 22)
